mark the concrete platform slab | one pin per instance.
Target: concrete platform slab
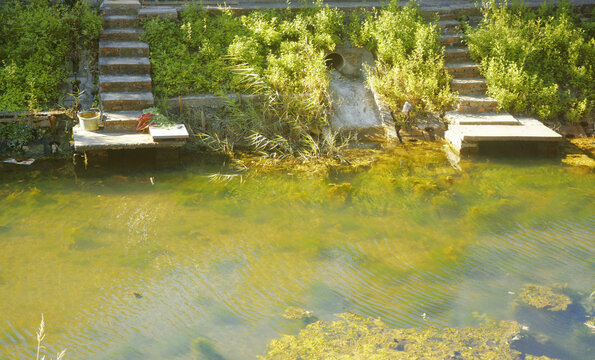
(458, 118)
(174, 132)
(505, 133)
(100, 140)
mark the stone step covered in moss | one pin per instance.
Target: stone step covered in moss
(450, 26)
(158, 11)
(473, 85)
(125, 83)
(452, 40)
(124, 65)
(121, 34)
(121, 120)
(476, 104)
(488, 118)
(463, 70)
(126, 101)
(457, 54)
(123, 48)
(120, 21)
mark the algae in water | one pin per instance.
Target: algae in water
(356, 337)
(543, 297)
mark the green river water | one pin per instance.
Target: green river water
(123, 267)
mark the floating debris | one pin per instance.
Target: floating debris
(356, 337)
(295, 313)
(543, 297)
(24, 162)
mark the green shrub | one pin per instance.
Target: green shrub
(536, 62)
(196, 54)
(15, 135)
(410, 64)
(278, 54)
(37, 39)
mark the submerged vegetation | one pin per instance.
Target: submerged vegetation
(543, 297)
(356, 337)
(38, 41)
(537, 62)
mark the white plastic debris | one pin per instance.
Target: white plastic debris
(406, 108)
(24, 162)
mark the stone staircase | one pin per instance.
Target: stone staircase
(125, 89)
(467, 80)
(125, 85)
(476, 121)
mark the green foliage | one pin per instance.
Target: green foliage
(16, 134)
(355, 337)
(410, 64)
(36, 41)
(195, 55)
(277, 55)
(536, 62)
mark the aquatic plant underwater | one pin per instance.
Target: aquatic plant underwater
(132, 267)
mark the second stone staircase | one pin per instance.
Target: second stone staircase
(125, 84)
(476, 121)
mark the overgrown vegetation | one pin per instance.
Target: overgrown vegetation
(38, 39)
(355, 337)
(15, 135)
(538, 62)
(277, 55)
(543, 297)
(410, 64)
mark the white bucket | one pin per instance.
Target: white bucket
(89, 120)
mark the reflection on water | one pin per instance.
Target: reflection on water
(124, 269)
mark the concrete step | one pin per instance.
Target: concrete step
(463, 70)
(458, 118)
(457, 55)
(120, 21)
(125, 83)
(447, 15)
(116, 11)
(126, 101)
(116, 140)
(475, 85)
(124, 65)
(121, 34)
(123, 48)
(121, 120)
(158, 11)
(476, 104)
(529, 136)
(450, 26)
(120, 4)
(452, 40)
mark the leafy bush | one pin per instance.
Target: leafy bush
(16, 134)
(36, 41)
(195, 55)
(536, 62)
(276, 54)
(410, 64)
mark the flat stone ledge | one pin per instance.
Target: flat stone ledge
(101, 140)
(458, 118)
(124, 61)
(120, 4)
(158, 11)
(477, 133)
